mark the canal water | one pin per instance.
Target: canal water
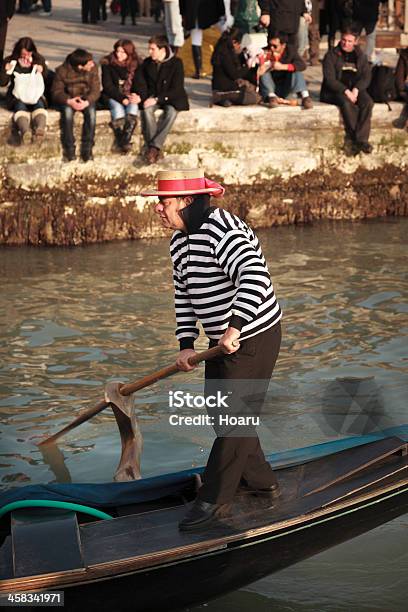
(74, 318)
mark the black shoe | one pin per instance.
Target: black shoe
(272, 493)
(202, 514)
(69, 156)
(365, 147)
(86, 156)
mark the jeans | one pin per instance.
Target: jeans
(28, 108)
(294, 82)
(88, 128)
(118, 110)
(155, 132)
(46, 5)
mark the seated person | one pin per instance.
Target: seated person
(231, 79)
(346, 76)
(27, 104)
(76, 88)
(280, 73)
(163, 74)
(401, 84)
(122, 90)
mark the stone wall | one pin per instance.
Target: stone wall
(280, 166)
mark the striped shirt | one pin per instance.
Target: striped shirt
(221, 279)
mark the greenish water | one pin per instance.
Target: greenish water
(74, 318)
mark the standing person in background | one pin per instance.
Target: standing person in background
(173, 24)
(7, 9)
(76, 88)
(365, 17)
(144, 8)
(128, 7)
(401, 85)
(123, 89)
(198, 15)
(347, 75)
(90, 11)
(283, 16)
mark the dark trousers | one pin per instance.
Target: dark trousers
(236, 455)
(3, 35)
(88, 129)
(90, 11)
(128, 7)
(356, 117)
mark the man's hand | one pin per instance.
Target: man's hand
(308, 18)
(355, 92)
(350, 96)
(182, 360)
(279, 66)
(265, 20)
(149, 102)
(229, 341)
(134, 98)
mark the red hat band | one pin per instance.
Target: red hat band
(181, 185)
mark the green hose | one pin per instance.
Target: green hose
(46, 503)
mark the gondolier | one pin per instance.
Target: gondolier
(221, 279)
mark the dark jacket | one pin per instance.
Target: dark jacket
(227, 68)
(206, 12)
(333, 63)
(284, 14)
(366, 11)
(113, 75)
(401, 75)
(165, 81)
(71, 83)
(7, 8)
(8, 79)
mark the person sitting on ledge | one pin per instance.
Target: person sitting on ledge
(280, 73)
(76, 88)
(401, 84)
(231, 80)
(123, 90)
(24, 71)
(164, 77)
(346, 76)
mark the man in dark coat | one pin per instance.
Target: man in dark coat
(365, 17)
(7, 8)
(347, 75)
(283, 16)
(401, 85)
(164, 76)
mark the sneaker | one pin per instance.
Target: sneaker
(45, 13)
(273, 102)
(307, 103)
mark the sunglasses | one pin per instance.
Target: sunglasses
(274, 46)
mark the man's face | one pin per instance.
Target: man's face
(348, 42)
(168, 208)
(156, 53)
(276, 46)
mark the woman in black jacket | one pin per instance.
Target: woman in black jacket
(25, 60)
(229, 67)
(123, 90)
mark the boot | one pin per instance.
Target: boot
(402, 120)
(39, 123)
(117, 127)
(22, 122)
(130, 124)
(197, 58)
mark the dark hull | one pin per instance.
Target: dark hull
(178, 585)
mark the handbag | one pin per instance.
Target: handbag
(115, 7)
(28, 87)
(248, 92)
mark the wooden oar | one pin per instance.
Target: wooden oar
(130, 388)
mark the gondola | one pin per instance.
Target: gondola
(140, 561)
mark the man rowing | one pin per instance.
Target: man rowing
(221, 280)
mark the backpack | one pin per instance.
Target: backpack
(382, 85)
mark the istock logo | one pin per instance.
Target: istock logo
(179, 399)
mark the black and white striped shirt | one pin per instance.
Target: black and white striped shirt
(221, 279)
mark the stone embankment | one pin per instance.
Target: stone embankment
(280, 166)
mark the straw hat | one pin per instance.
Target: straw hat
(184, 182)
